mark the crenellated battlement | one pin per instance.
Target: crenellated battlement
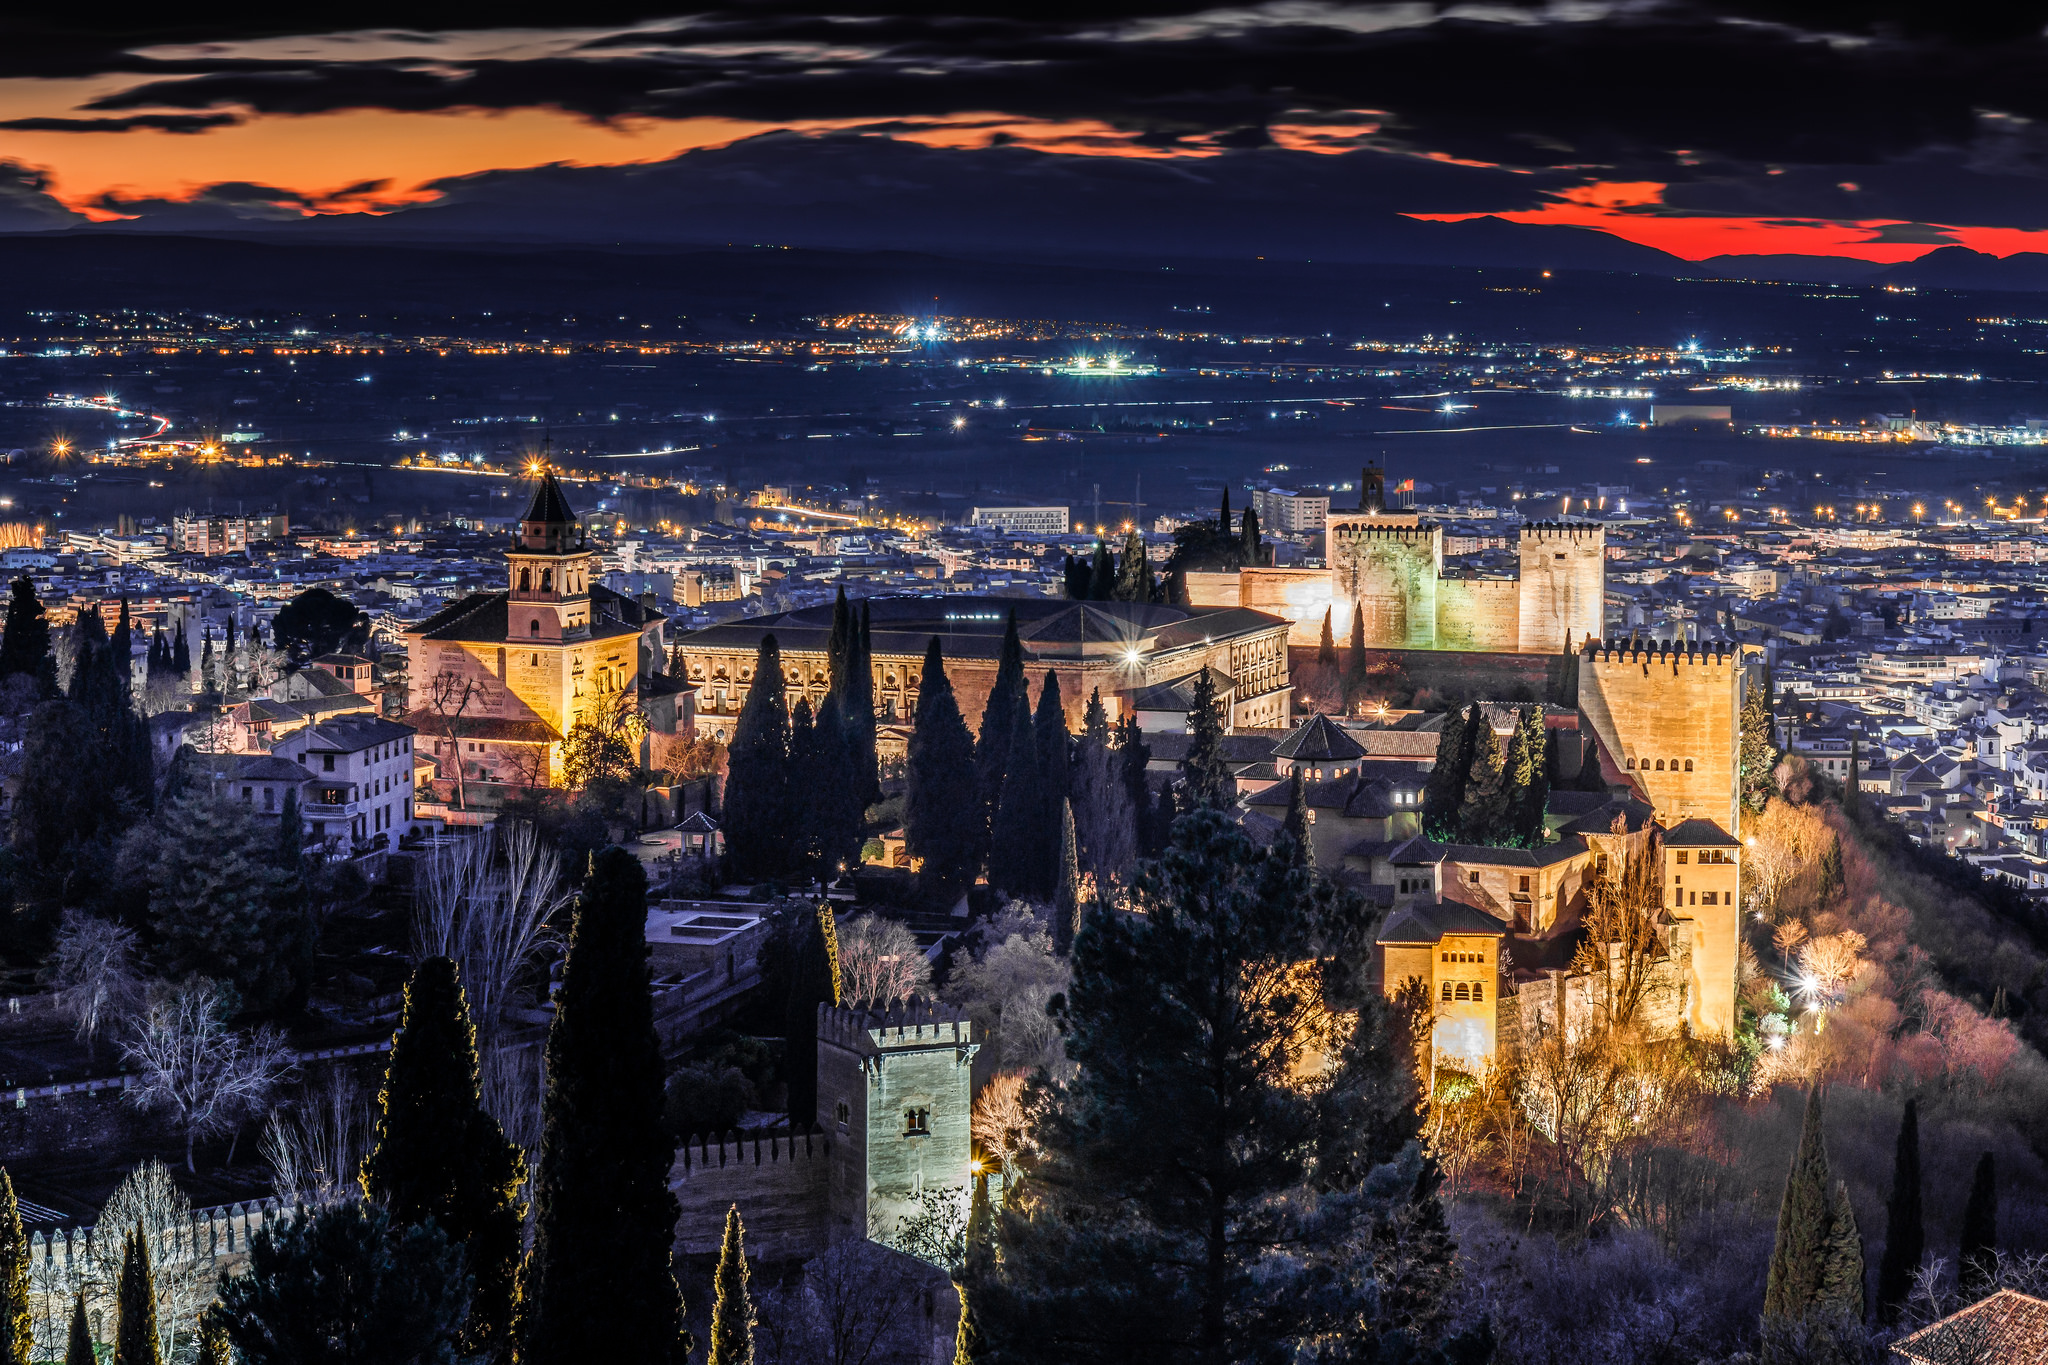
(786, 1145)
(1563, 531)
(1661, 654)
(1366, 530)
(879, 1026)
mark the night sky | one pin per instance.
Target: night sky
(1877, 131)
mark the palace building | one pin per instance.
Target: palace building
(1388, 568)
(1143, 658)
(497, 680)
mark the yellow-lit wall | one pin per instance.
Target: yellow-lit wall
(1676, 709)
(1708, 894)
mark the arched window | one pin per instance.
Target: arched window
(1688, 765)
(526, 580)
(1464, 991)
(547, 580)
(1660, 765)
(1447, 990)
(533, 626)
(1478, 990)
(1631, 765)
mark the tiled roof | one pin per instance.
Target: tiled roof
(1697, 833)
(1429, 923)
(2008, 1328)
(548, 504)
(1319, 740)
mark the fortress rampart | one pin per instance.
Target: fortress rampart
(1670, 717)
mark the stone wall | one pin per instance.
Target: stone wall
(779, 1180)
(1390, 573)
(1564, 586)
(1478, 613)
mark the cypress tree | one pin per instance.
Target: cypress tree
(1223, 518)
(597, 1284)
(1095, 720)
(1817, 1261)
(25, 646)
(1443, 793)
(992, 743)
(1356, 680)
(814, 982)
(1019, 858)
(1296, 826)
(1076, 574)
(1759, 750)
(839, 644)
(1905, 1239)
(1054, 746)
(939, 812)
(1249, 543)
(857, 713)
(1066, 900)
(1326, 648)
(1207, 775)
(209, 679)
(291, 832)
(1159, 828)
(214, 1346)
(135, 1338)
(78, 1347)
(440, 1156)
(1133, 574)
(1101, 573)
(1528, 778)
(821, 766)
(732, 1309)
(1483, 816)
(181, 654)
(1977, 1257)
(17, 1331)
(123, 646)
(1852, 790)
(758, 812)
(974, 1269)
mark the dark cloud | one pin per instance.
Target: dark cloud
(26, 204)
(162, 123)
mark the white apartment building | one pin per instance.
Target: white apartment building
(1023, 521)
(1283, 509)
(358, 776)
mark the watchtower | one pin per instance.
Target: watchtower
(1388, 564)
(895, 1092)
(1564, 585)
(1671, 717)
(548, 572)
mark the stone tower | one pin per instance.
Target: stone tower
(895, 1093)
(1564, 585)
(548, 571)
(1388, 565)
(1372, 488)
(1672, 720)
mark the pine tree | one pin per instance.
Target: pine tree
(1759, 752)
(1019, 861)
(1528, 779)
(221, 907)
(25, 647)
(1977, 1255)
(1296, 826)
(1817, 1262)
(17, 1330)
(1326, 648)
(1443, 793)
(1905, 1239)
(1178, 1022)
(135, 1337)
(732, 1309)
(1483, 816)
(78, 1348)
(1066, 896)
(596, 1284)
(758, 808)
(992, 745)
(939, 811)
(1204, 771)
(440, 1156)
(813, 982)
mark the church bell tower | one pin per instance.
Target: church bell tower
(549, 568)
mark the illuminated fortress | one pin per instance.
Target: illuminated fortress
(1389, 568)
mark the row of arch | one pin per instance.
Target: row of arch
(1466, 990)
(1644, 765)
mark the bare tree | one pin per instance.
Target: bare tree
(450, 694)
(511, 1083)
(863, 1302)
(150, 1200)
(879, 960)
(92, 965)
(316, 1148)
(999, 1121)
(190, 1062)
(1621, 948)
(485, 902)
(215, 733)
